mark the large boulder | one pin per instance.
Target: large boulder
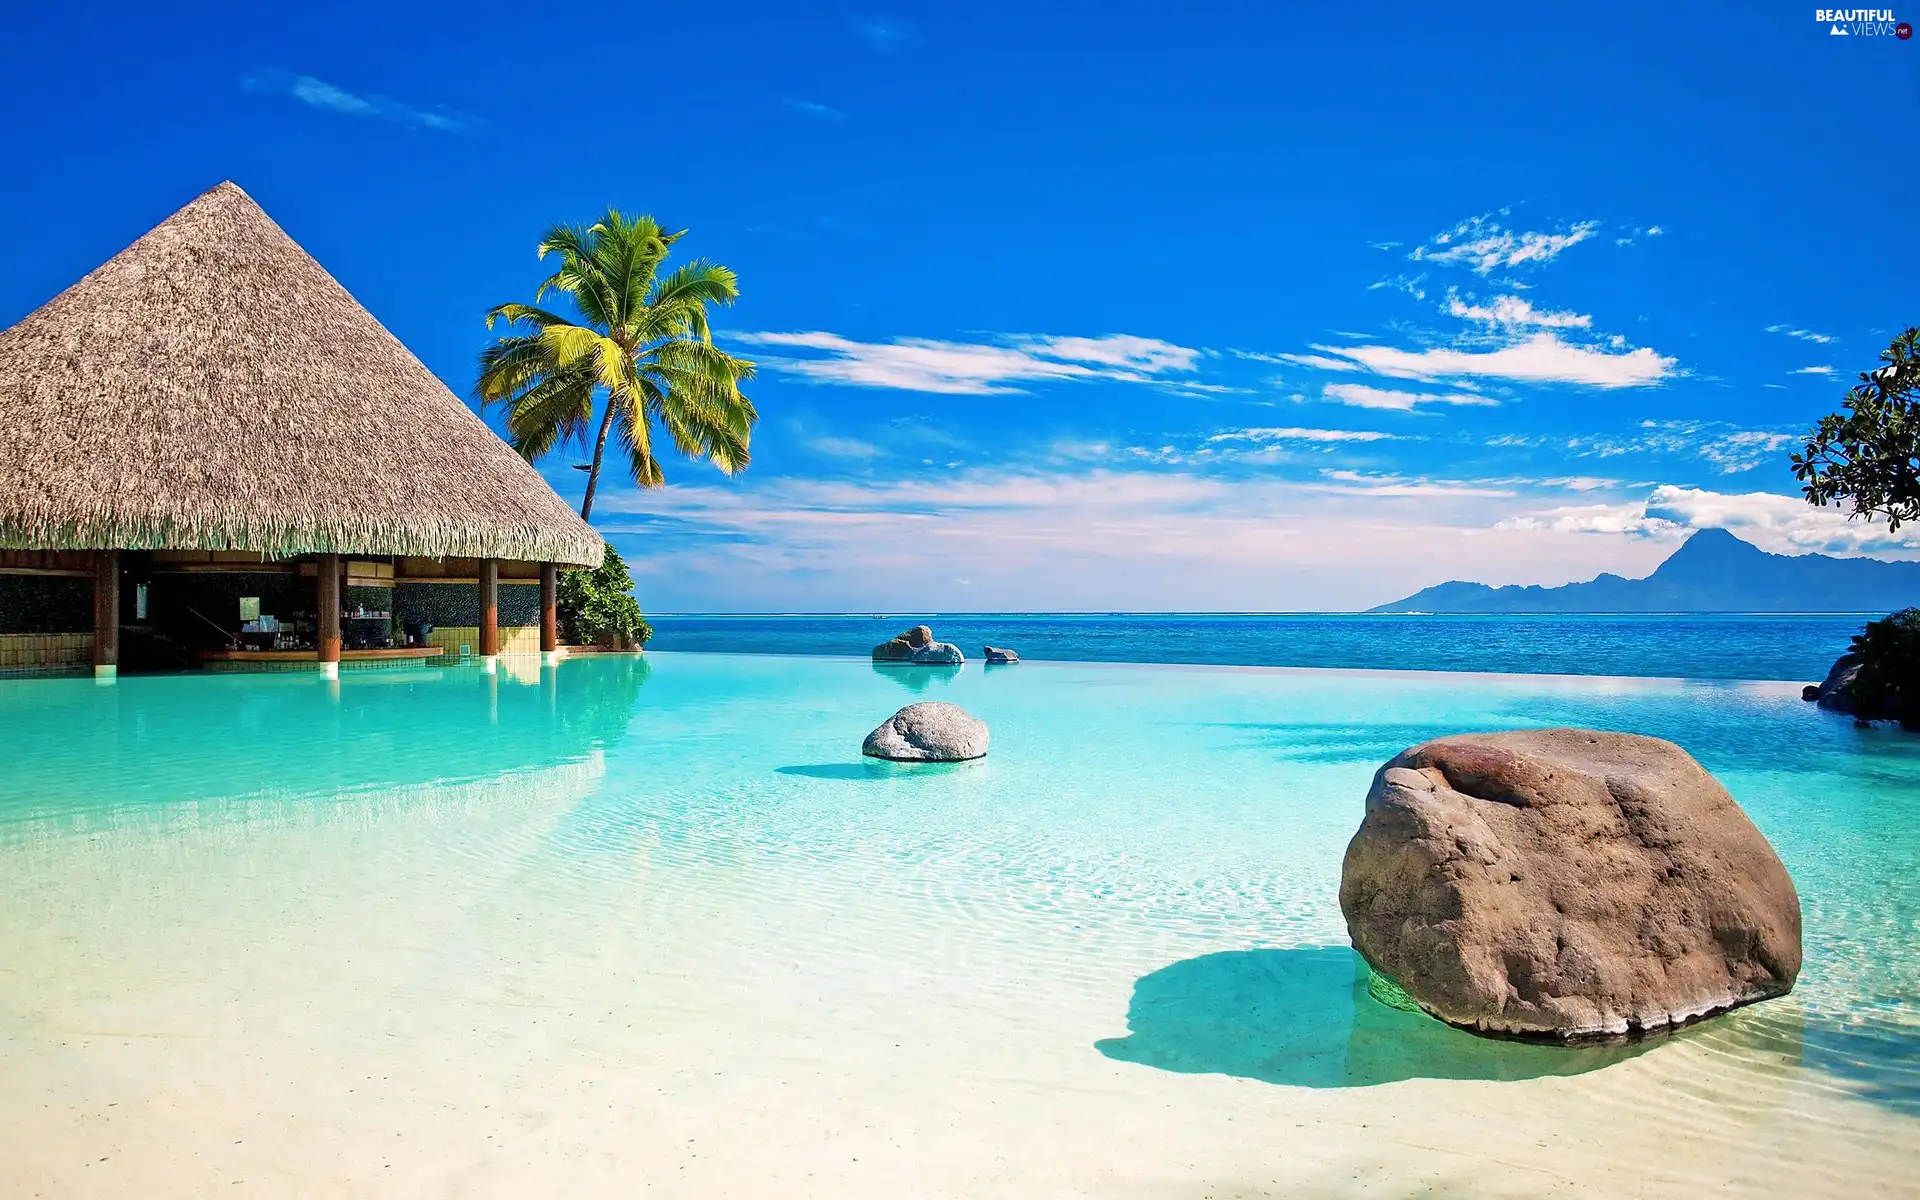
(1835, 693)
(900, 648)
(1566, 884)
(1879, 680)
(932, 731)
(917, 646)
(938, 654)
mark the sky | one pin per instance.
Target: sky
(1103, 306)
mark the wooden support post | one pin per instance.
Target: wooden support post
(489, 612)
(106, 613)
(326, 613)
(549, 610)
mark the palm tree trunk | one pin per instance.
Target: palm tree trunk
(599, 452)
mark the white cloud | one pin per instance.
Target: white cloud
(1409, 284)
(966, 368)
(1805, 335)
(1582, 483)
(1359, 395)
(1744, 449)
(1483, 245)
(842, 447)
(1829, 372)
(813, 108)
(1400, 485)
(1726, 447)
(885, 34)
(1186, 387)
(318, 93)
(1118, 350)
(1779, 524)
(1541, 358)
(1144, 539)
(1514, 312)
(1593, 518)
(1637, 232)
(1299, 435)
(1577, 483)
(1317, 361)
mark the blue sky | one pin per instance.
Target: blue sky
(1086, 306)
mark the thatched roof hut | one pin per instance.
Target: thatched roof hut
(211, 387)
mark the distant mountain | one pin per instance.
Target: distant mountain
(1713, 571)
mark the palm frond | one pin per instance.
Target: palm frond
(628, 251)
(513, 314)
(699, 282)
(642, 340)
(554, 411)
(630, 425)
(678, 307)
(511, 364)
(582, 348)
(579, 275)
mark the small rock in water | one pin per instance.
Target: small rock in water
(917, 646)
(1566, 884)
(1810, 692)
(932, 731)
(999, 654)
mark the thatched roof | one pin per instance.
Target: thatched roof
(211, 387)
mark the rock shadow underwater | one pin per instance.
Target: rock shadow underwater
(879, 770)
(1304, 1017)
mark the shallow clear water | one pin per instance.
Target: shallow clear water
(621, 920)
(1696, 646)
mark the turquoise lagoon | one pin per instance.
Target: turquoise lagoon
(626, 926)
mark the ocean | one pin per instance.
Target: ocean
(1688, 646)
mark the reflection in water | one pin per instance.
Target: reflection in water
(1320, 742)
(880, 770)
(1303, 1017)
(201, 737)
(917, 679)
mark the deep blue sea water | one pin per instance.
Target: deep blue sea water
(1709, 646)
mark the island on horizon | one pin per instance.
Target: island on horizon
(1712, 571)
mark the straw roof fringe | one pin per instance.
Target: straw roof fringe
(211, 387)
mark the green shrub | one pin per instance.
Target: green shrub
(598, 605)
(1888, 685)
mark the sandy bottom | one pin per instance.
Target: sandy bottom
(442, 993)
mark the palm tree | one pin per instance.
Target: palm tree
(640, 345)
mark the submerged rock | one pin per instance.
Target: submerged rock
(999, 654)
(931, 731)
(1566, 884)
